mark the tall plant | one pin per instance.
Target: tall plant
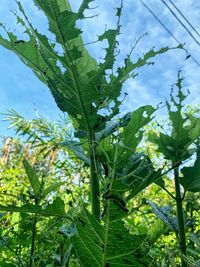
(82, 88)
(177, 147)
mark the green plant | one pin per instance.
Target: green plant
(177, 147)
(56, 172)
(104, 142)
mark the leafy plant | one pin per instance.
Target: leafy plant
(107, 145)
(176, 147)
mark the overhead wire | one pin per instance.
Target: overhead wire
(183, 25)
(169, 32)
(182, 15)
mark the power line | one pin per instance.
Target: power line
(169, 32)
(178, 10)
(163, 25)
(183, 25)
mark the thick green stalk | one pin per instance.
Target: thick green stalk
(94, 182)
(180, 218)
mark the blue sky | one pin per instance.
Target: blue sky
(20, 89)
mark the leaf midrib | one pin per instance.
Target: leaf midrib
(70, 62)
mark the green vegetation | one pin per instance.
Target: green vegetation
(84, 192)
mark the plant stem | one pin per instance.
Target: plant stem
(34, 230)
(94, 182)
(180, 218)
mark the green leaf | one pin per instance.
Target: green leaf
(113, 126)
(77, 83)
(127, 71)
(33, 178)
(57, 207)
(165, 143)
(83, 7)
(77, 149)
(138, 174)
(54, 209)
(157, 229)
(107, 245)
(109, 242)
(69, 89)
(191, 176)
(132, 132)
(109, 59)
(51, 188)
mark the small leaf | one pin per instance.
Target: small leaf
(113, 126)
(77, 149)
(139, 118)
(165, 144)
(51, 188)
(57, 207)
(33, 178)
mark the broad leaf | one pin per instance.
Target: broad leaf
(109, 244)
(77, 83)
(129, 131)
(138, 174)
